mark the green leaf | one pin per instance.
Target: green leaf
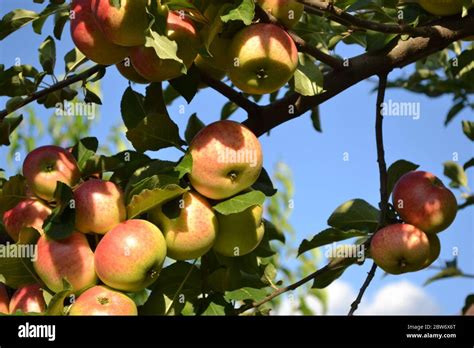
(468, 129)
(449, 272)
(456, 173)
(355, 214)
(240, 203)
(187, 85)
(326, 278)
(13, 192)
(244, 12)
(132, 109)
(73, 59)
(47, 55)
(246, 294)
(180, 282)
(193, 127)
(91, 97)
(228, 109)
(164, 47)
(15, 20)
(56, 305)
(18, 271)
(308, 79)
(396, 171)
(272, 232)
(156, 174)
(469, 164)
(377, 41)
(316, 119)
(61, 223)
(264, 184)
(7, 127)
(150, 199)
(328, 236)
(84, 150)
(455, 110)
(185, 166)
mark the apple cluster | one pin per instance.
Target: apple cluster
(128, 254)
(426, 207)
(258, 59)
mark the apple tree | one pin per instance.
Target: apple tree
(118, 230)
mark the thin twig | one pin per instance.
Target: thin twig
(383, 181)
(56, 87)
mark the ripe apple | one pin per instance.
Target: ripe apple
(442, 7)
(47, 165)
(4, 300)
(400, 248)
(239, 233)
(27, 213)
(422, 200)
(190, 234)
(100, 300)
(150, 66)
(288, 12)
(100, 206)
(70, 258)
(227, 159)
(28, 299)
(125, 26)
(127, 70)
(130, 256)
(264, 58)
(88, 37)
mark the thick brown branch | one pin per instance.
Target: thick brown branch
(56, 87)
(397, 55)
(383, 181)
(238, 98)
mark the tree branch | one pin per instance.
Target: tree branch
(280, 291)
(383, 205)
(56, 87)
(340, 16)
(238, 98)
(396, 55)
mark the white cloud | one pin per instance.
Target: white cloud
(398, 298)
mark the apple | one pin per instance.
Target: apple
(88, 37)
(192, 232)
(442, 7)
(150, 66)
(4, 300)
(288, 12)
(421, 199)
(127, 70)
(227, 159)
(264, 58)
(70, 258)
(100, 206)
(27, 213)
(28, 299)
(47, 165)
(100, 300)
(131, 255)
(125, 26)
(400, 248)
(240, 233)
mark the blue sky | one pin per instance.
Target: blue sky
(323, 180)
